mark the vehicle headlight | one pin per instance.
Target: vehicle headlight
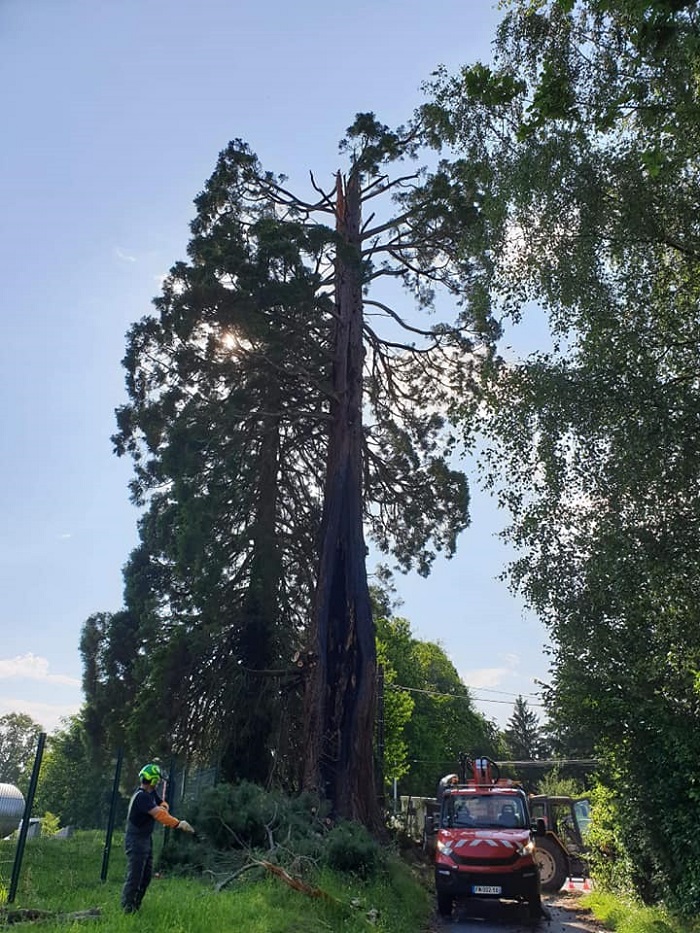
(527, 849)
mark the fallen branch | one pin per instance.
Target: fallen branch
(296, 883)
(220, 885)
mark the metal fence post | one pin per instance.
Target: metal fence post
(112, 815)
(24, 828)
(379, 760)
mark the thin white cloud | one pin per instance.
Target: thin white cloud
(486, 677)
(50, 716)
(123, 255)
(491, 676)
(31, 667)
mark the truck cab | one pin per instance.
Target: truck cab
(485, 841)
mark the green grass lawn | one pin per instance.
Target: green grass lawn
(64, 875)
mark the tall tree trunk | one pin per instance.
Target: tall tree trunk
(341, 694)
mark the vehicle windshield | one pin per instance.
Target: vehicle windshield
(483, 811)
(582, 809)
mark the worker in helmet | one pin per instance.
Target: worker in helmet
(146, 808)
(508, 817)
(450, 780)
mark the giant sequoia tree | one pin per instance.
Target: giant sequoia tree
(587, 126)
(280, 405)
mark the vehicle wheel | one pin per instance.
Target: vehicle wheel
(444, 904)
(551, 862)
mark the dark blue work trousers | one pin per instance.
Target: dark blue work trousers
(139, 869)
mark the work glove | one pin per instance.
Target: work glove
(185, 826)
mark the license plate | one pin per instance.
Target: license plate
(486, 889)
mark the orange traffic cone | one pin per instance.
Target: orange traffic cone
(587, 884)
(571, 886)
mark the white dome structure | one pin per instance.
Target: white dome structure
(11, 808)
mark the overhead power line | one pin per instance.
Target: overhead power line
(505, 692)
(543, 763)
(550, 763)
(456, 696)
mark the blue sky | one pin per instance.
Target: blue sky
(113, 116)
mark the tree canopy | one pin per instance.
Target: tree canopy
(584, 134)
(73, 784)
(19, 735)
(523, 733)
(431, 719)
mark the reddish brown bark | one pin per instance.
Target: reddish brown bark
(341, 689)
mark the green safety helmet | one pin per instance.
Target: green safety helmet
(150, 774)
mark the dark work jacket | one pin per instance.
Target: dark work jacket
(139, 822)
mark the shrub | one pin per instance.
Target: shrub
(50, 824)
(234, 816)
(234, 819)
(350, 848)
(610, 863)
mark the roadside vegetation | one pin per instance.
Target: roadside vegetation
(626, 916)
(615, 901)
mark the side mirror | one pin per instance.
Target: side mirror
(429, 826)
(539, 827)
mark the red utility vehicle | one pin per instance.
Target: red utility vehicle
(485, 840)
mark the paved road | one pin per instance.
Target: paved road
(566, 916)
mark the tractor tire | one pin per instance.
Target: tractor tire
(445, 902)
(552, 864)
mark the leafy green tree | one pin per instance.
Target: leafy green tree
(442, 723)
(73, 785)
(611, 864)
(555, 784)
(394, 650)
(397, 708)
(573, 741)
(584, 134)
(19, 735)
